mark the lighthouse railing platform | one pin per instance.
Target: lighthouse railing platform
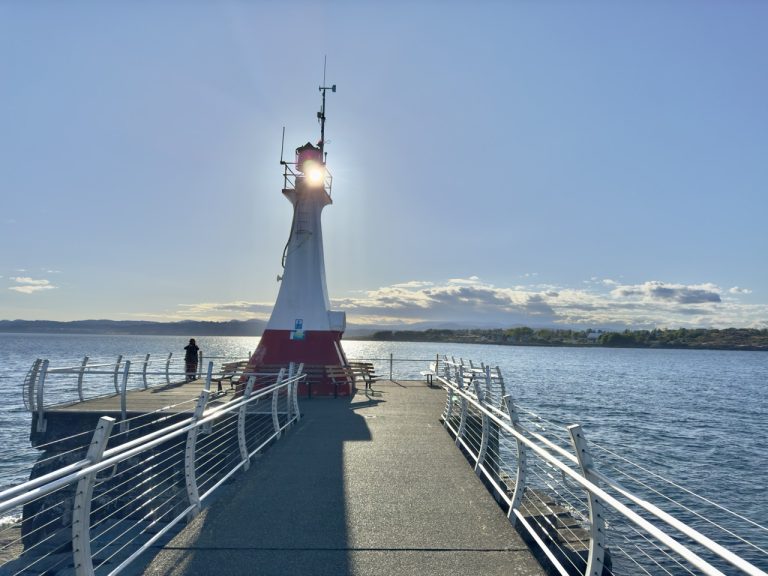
(107, 496)
(290, 175)
(589, 509)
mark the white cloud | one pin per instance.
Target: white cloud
(737, 290)
(649, 304)
(472, 280)
(660, 291)
(211, 311)
(26, 285)
(472, 301)
(412, 284)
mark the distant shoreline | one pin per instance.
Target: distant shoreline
(747, 339)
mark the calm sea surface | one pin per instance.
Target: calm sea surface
(696, 417)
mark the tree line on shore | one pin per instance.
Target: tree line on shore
(691, 338)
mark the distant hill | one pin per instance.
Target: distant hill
(135, 327)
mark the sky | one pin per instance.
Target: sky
(563, 164)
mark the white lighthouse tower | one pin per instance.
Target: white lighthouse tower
(303, 328)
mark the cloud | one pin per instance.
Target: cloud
(737, 290)
(659, 291)
(26, 285)
(413, 284)
(472, 301)
(458, 299)
(241, 307)
(602, 304)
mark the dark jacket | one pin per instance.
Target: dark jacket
(191, 352)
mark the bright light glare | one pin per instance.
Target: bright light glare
(315, 175)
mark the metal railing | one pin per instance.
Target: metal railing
(392, 368)
(553, 488)
(108, 505)
(47, 387)
(290, 176)
(582, 503)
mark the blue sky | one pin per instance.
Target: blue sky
(586, 164)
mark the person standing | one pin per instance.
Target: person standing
(191, 354)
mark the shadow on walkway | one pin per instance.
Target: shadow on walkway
(368, 486)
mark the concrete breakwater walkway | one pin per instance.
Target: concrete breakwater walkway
(374, 485)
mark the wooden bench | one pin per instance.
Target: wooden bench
(366, 372)
(340, 376)
(230, 371)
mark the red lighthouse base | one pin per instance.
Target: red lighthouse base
(315, 349)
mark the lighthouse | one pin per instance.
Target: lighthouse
(303, 328)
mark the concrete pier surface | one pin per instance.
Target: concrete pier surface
(368, 486)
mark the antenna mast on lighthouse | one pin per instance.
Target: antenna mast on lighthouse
(321, 114)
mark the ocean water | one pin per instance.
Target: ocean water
(696, 417)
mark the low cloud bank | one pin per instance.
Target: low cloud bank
(599, 303)
(602, 302)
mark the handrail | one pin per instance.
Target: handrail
(77, 506)
(126, 372)
(454, 381)
(32, 489)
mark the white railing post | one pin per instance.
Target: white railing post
(501, 382)
(275, 394)
(448, 413)
(289, 392)
(391, 361)
(144, 371)
(457, 375)
(483, 450)
(596, 516)
(40, 397)
(168, 368)
(190, 476)
(299, 371)
(291, 368)
(80, 375)
(208, 376)
(208, 426)
(81, 511)
(29, 393)
(117, 371)
(522, 469)
(241, 440)
(464, 410)
(123, 400)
